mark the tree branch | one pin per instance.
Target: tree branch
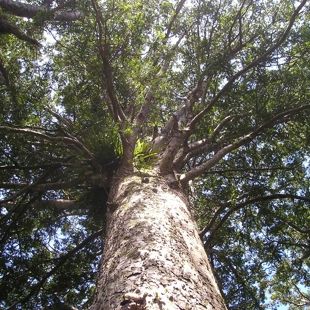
(171, 130)
(24, 189)
(19, 213)
(7, 28)
(196, 171)
(247, 170)
(302, 294)
(254, 63)
(30, 11)
(118, 113)
(59, 204)
(177, 11)
(178, 115)
(37, 187)
(4, 73)
(42, 166)
(61, 262)
(240, 279)
(68, 140)
(243, 204)
(204, 145)
(58, 116)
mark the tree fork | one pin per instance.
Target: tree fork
(153, 256)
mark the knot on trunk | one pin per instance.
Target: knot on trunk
(133, 301)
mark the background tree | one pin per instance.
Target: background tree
(213, 94)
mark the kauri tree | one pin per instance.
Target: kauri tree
(154, 154)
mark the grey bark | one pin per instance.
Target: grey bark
(7, 28)
(153, 257)
(23, 9)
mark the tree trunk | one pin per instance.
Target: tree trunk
(153, 257)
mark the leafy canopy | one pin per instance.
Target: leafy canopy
(213, 92)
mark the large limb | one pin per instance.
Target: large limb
(192, 97)
(240, 73)
(204, 145)
(144, 111)
(117, 111)
(172, 133)
(199, 92)
(174, 17)
(23, 9)
(281, 117)
(63, 163)
(128, 137)
(7, 28)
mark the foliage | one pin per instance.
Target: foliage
(213, 91)
(143, 154)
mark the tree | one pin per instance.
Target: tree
(141, 136)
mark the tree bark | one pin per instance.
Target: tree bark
(24, 9)
(153, 256)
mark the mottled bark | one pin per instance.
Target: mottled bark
(24, 9)
(153, 257)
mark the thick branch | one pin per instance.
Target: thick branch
(223, 122)
(118, 113)
(7, 28)
(4, 73)
(19, 210)
(178, 115)
(58, 116)
(41, 179)
(174, 17)
(64, 162)
(204, 145)
(192, 97)
(165, 166)
(63, 204)
(30, 11)
(171, 130)
(196, 171)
